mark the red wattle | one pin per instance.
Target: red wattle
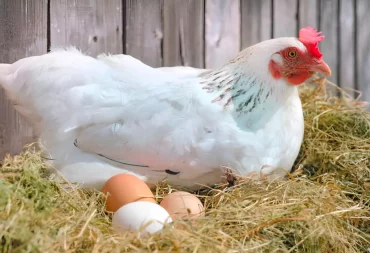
(298, 78)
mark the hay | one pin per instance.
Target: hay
(323, 206)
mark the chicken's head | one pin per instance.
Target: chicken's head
(297, 59)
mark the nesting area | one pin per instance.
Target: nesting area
(322, 206)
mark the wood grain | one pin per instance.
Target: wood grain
(22, 33)
(347, 46)
(94, 26)
(143, 31)
(363, 50)
(308, 11)
(285, 18)
(329, 46)
(255, 21)
(183, 42)
(222, 31)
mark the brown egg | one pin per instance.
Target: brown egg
(124, 189)
(182, 205)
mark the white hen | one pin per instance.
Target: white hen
(100, 117)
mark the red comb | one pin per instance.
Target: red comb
(310, 37)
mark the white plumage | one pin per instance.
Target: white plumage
(114, 114)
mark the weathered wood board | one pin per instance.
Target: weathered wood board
(144, 31)
(329, 46)
(285, 18)
(256, 21)
(346, 58)
(308, 13)
(183, 42)
(23, 32)
(94, 26)
(363, 48)
(222, 31)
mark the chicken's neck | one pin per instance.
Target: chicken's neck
(250, 99)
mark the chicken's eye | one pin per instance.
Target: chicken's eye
(292, 54)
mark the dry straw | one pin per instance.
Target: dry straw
(323, 206)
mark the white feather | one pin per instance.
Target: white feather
(123, 112)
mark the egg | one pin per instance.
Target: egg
(134, 216)
(182, 205)
(124, 189)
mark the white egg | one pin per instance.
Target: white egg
(148, 216)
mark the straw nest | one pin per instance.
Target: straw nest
(323, 206)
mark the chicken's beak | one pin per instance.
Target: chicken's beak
(322, 68)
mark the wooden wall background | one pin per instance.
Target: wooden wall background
(199, 33)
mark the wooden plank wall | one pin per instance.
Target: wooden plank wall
(183, 24)
(20, 36)
(222, 31)
(198, 33)
(94, 26)
(256, 21)
(143, 32)
(363, 48)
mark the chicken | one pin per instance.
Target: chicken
(97, 117)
